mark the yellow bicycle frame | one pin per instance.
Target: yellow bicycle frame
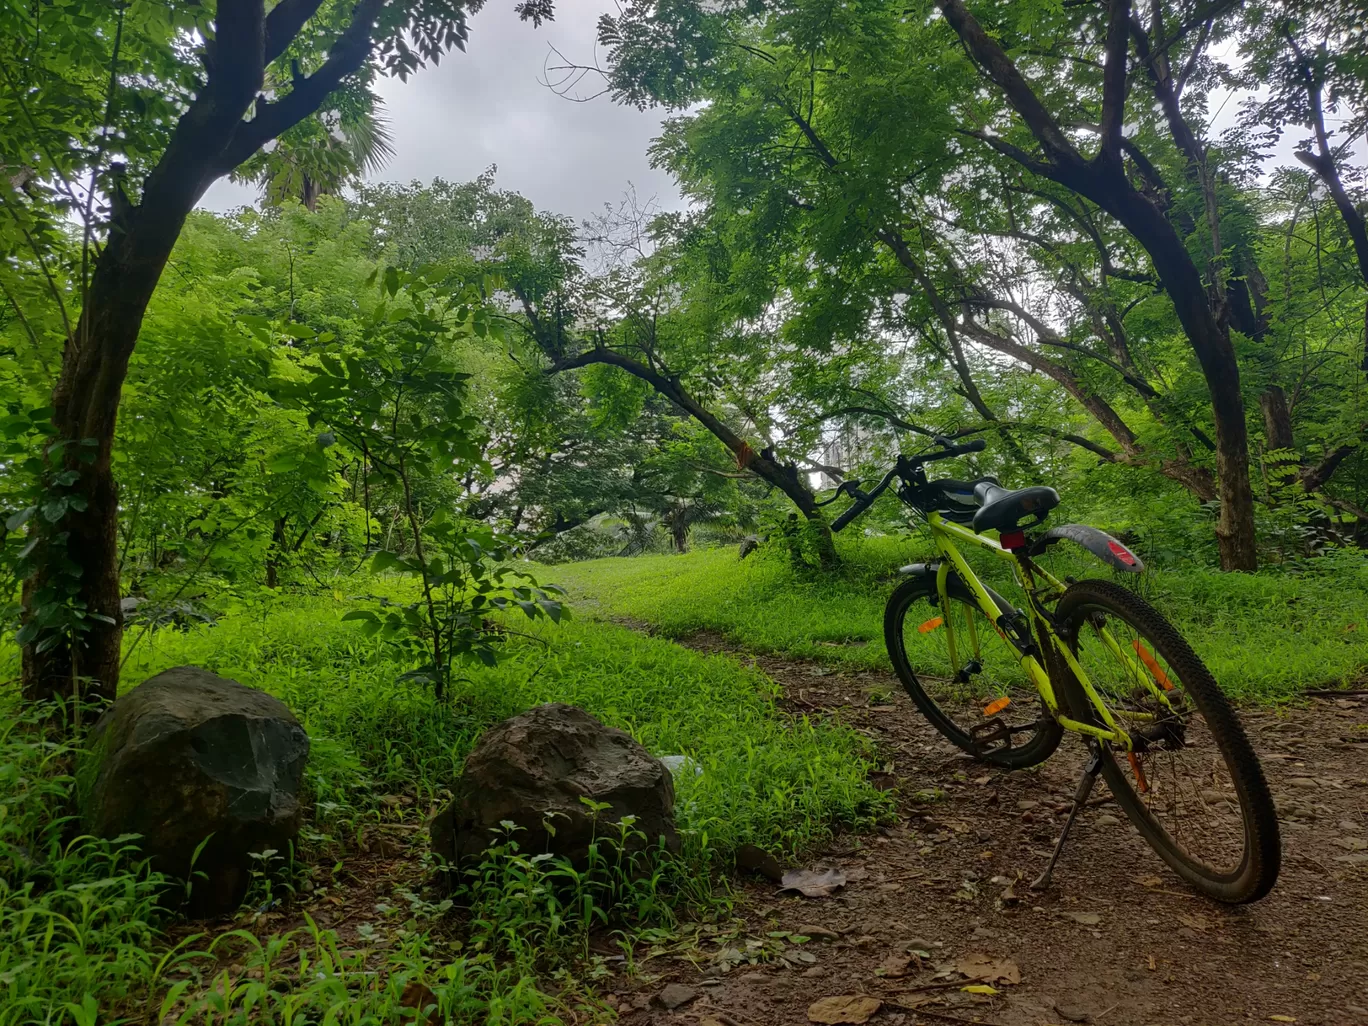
(945, 533)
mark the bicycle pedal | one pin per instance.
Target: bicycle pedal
(983, 734)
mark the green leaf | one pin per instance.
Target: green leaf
(385, 560)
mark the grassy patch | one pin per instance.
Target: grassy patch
(1266, 636)
(80, 932)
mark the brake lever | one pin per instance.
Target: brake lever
(851, 487)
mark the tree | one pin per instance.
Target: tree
(322, 154)
(180, 114)
(1003, 213)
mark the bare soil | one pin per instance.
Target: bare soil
(1119, 940)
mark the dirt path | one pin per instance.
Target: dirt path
(1118, 941)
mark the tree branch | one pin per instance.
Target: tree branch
(272, 118)
(999, 67)
(283, 24)
(1114, 80)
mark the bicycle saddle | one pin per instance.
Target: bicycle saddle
(1000, 508)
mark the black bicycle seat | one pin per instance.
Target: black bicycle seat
(1001, 508)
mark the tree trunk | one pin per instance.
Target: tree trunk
(679, 531)
(95, 359)
(278, 543)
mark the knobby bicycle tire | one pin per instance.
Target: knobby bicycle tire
(1258, 868)
(1048, 734)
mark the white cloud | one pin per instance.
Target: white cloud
(489, 106)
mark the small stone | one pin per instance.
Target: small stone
(1349, 826)
(917, 944)
(1105, 820)
(818, 932)
(1071, 1013)
(1027, 804)
(1302, 782)
(676, 995)
(815, 972)
(1217, 797)
(754, 979)
(983, 933)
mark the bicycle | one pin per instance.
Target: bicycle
(1086, 656)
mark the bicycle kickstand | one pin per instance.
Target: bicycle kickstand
(1085, 786)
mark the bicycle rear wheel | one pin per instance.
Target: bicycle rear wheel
(968, 681)
(1193, 787)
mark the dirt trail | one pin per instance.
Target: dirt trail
(1119, 940)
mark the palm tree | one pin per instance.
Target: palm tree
(323, 154)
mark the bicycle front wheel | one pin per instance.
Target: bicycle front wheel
(1192, 786)
(964, 676)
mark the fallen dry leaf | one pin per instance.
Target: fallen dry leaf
(1147, 881)
(1153, 965)
(844, 1008)
(894, 966)
(812, 884)
(979, 988)
(420, 1000)
(988, 969)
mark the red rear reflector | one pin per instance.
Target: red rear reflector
(1121, 552)
(1013, 539)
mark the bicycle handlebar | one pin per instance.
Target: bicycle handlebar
(904, 466)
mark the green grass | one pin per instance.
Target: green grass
(79, 923)
(1266, 636)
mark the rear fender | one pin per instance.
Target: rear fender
(1099, 543)
(919, 569)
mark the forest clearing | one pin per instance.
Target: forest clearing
(909, 569)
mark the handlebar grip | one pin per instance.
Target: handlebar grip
(849, 515)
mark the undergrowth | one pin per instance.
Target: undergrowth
(84, 939)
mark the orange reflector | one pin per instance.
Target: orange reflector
(1152, 665)
(931, 625)
(997, 706)
(1139, 773)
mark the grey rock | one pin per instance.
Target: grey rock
(190, 755)
(535, 768)
(1106, 819)
(676, 995)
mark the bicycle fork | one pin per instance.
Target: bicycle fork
(1081, 793)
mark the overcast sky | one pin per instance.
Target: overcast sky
(488, 106)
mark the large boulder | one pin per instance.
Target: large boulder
(535, 768)
(189, 755)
